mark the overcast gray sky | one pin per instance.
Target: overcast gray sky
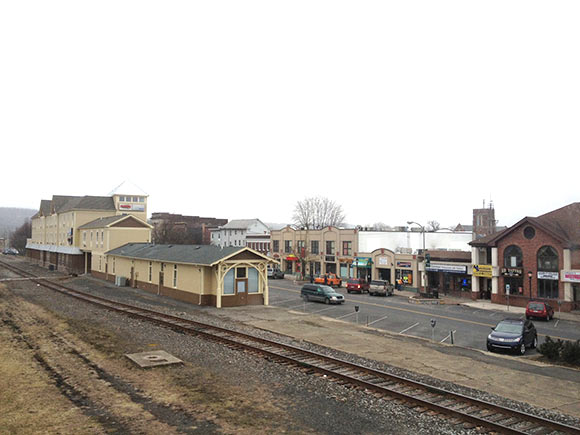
(407, 110)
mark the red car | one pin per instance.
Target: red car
(357, 285)
(540, 310)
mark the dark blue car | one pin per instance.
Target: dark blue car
(513, 335)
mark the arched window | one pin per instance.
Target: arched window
(548, 259)
(512, 256)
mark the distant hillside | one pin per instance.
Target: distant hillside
(12, 218)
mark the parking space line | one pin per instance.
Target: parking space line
(438, 316)
(320, 311)
(556, 324)
(454, 331)
(282, 302)
(291, 308)
(378, 320)
(405, 330)
(346, 315)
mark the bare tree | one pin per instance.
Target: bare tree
(313, 214)
(317, 212)
(167, 232)
(19, 236)
(434, 225)
(380, 226)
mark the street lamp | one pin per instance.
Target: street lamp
(530, 281)
(423, 231)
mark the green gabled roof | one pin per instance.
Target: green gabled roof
(193, 254)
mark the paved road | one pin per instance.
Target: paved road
(395, 314)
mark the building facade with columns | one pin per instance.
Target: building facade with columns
(537, 258)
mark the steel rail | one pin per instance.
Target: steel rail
(337, 369)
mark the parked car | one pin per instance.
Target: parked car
(357, 285)
(539, 310)
(513, 334)
(321, 293)
(10, 251)
(380, 287)
(275, 273)
(331, 280)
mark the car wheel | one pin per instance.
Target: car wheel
(535, 342)
(348, 291)
(327, 301)
(489, 348)
(549, 318)
(522, 348)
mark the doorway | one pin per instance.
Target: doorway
(241, 285)
(385, 274)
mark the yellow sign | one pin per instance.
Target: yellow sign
(483, 270)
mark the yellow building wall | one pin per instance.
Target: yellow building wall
(119, 236)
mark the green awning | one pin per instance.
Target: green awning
(362, 262)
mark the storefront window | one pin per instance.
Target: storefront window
(516, 285)
(344, 270)
(548, 288)
(405, 275)
(548, 262)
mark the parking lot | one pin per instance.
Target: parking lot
(467, 326)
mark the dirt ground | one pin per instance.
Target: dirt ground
(55, 380)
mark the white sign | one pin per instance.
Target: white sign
(383, 261)
(451, 268)
(548, 275)
(571, 275)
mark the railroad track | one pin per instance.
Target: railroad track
(463, 410)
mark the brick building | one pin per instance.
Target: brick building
(537, 258)
(185, 229)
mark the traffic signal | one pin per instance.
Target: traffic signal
(427, 260)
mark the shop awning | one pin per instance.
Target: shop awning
(292, 258)
(362, 262)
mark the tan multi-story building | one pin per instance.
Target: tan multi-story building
(61, 224)
(328, 250)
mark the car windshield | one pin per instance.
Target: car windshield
(536, 307)
(353, 281)
(326, 289)
(510, 328)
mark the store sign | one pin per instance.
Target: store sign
(132, 207)
(482, 270)
(548, 275)
(512, 271)
(403, 264)
(449, 268)
(571, 275)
